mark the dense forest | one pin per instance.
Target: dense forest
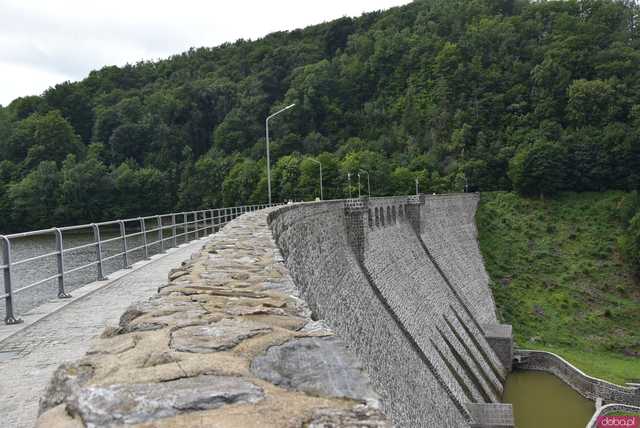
(537, 97)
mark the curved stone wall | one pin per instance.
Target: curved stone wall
(589, 387)
(362, 267)
(314, 242)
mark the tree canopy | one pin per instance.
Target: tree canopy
(536, 96)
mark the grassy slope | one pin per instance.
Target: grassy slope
(557, 277)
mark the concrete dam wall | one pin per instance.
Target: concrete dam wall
(401, 280)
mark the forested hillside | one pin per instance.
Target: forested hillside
(532, 96)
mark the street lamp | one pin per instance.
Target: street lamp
(368, 184)
(349, 188)
(416, 186)
(268, 159)
(358, 185)
(319, 163)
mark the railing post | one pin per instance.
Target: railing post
(98, 244)
(195, 224)
(212, 224)
(174, 230)
(9, 317)
(125, 248)
(60, 260)
(160, 234)
(186, 227)
(215, 220)
(143, 229)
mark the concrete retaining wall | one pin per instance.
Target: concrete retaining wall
(589, 387)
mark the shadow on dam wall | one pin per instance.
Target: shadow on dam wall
(401, 280)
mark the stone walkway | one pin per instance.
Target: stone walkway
(29, 357)
(227, 342)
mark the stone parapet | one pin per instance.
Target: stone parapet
(589, 387)
(227, 342)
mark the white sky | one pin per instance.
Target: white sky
(44, 42)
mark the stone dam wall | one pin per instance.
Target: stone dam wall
(430, 345)
(326, 314)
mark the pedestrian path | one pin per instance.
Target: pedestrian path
(30, 353)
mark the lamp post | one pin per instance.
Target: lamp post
(358, 185)
(416, 186)
(319, 163)
(368, 184)
(268, 159)
(349, 188)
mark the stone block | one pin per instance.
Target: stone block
(500, 337)
(492, 415)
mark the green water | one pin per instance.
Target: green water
(541, 400)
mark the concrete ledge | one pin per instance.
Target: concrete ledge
(494, 415)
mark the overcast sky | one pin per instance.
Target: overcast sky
(44, 42)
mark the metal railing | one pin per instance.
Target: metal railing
(160, 230)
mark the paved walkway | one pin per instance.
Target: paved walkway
(29, 357)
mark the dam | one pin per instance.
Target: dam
(367, 312)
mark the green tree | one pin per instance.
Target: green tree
(403, 181)
(538, 169)
(34, 199)
(591, 103)
(42, 137)
(240, 183)
(140, 191)
(86, 190)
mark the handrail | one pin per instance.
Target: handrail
(188, 225)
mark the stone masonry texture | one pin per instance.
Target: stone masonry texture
(449, 232)
(226, 342)
(422, 346)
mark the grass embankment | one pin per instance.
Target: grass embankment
(558, 278)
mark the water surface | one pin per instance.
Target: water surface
(541, 400)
